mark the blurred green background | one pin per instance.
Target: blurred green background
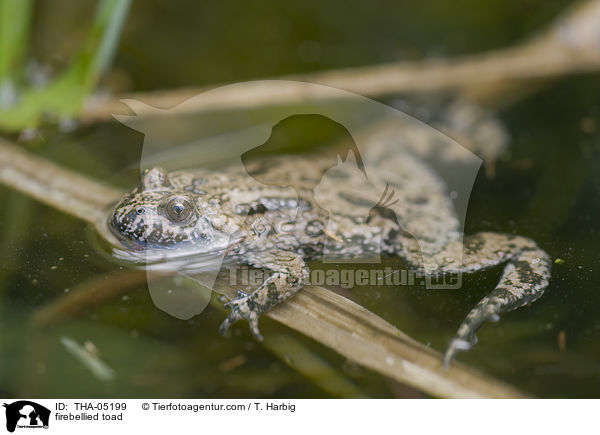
(183, 43)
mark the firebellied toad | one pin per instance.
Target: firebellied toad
(264, 226)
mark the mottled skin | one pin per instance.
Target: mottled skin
(277, 228)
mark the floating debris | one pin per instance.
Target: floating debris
(232, 363)
(90, 360)
(562, 340)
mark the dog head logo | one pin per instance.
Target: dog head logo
(26, 414)
(179, 295)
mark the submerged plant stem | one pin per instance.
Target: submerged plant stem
(568, 46)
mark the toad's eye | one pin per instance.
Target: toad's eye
(179, 209)
(140, 210)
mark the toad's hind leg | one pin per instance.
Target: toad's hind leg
(523, 281)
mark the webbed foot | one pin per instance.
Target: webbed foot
(466, 336)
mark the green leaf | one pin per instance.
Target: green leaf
(15, 17)
(66, 94)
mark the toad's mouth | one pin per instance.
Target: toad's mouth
(181, 255)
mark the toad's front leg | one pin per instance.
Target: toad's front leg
(290, 274)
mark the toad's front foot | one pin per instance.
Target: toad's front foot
(291, 272)
(242, 308)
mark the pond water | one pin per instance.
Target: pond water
(546, 187)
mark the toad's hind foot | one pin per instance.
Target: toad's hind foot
(524, 280)
(465, 337)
